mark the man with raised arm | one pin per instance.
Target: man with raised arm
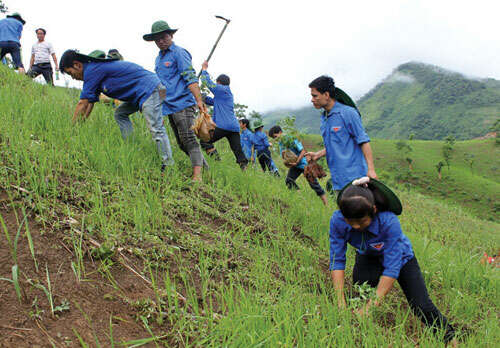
(347, 146)
(40, 58)
(174, 68)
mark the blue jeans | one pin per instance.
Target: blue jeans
(151, 109)
(15, 51)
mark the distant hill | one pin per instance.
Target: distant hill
(420, 99)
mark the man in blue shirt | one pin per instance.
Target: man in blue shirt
(175, 70)
(347, 146)
(227, 125)
(137, 88)
(261, 146)
(288, 142)
(246, 139)
(11, 29)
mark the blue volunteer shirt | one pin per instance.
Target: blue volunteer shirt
(383, 237)
(10, 30)
(343, 134)
(121, 80)
(296, 147)
(223, 103)
(246, 142)
(260, 141)
(175, 70)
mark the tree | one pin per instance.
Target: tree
(404, 148)
(288, 126)
(254, 116)
(3, 7)
(495, 128)
(447, 149)
(439, 167)
(240, 110)
(469, 159)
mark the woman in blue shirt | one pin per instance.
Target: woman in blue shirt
(383, 255)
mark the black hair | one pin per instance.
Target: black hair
(223, 80)
(357, 202)
(274, 130)
(113, 50)
(44, 31)
(324, 84)
(245, 122)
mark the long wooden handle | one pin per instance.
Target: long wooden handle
(215, 45)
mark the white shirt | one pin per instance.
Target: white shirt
(42, 51)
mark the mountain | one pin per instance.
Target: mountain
(420, 99)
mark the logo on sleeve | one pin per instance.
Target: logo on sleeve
(377, 246)
(167, 64)
(336, 129)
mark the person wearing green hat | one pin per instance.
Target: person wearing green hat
(138, 89)
(11, 29)
(384, 253)
(41, 52)
(174, 67)
(261, 146)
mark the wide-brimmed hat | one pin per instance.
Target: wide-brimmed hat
(17, 16)
(257, 124)
(158, 27)
(385, 199)
(97, 54)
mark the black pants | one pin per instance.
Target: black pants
(14, 49)
(264, 157)
(234, 143)
(369, 269)
(42, 68)
(294, 173)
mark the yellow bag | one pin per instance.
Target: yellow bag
(203, 126)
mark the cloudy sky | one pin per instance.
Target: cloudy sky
(273, 49)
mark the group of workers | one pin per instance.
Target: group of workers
(383, 253)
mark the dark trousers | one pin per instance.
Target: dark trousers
(369, 269)
(294, 173)
(234, 143)
(264, 157)
(15, 51)
(42, 68)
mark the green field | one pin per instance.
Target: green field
(122, 255)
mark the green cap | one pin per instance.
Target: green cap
(97, 54)
(158, 27)
(258, 124)
(385, 199)
(17, 16)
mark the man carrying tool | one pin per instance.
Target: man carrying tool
(347, 146)
(40, 58)
(11, 29)
(227, 125)
(139, 89)
(174, 68)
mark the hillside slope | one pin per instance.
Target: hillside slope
(238, 261)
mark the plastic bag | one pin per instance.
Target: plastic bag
(203, 126)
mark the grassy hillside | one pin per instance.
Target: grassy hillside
(121, 255)
(475, 188)
(424, 100)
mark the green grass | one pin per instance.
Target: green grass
(239, 261)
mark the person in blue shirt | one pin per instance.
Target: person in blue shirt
(227, 125)
(175, 70)
(347, 146)
(137, 88)
(288, 142)
(261, 146)
(383, 255)
(11, 29)
(246, 139)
